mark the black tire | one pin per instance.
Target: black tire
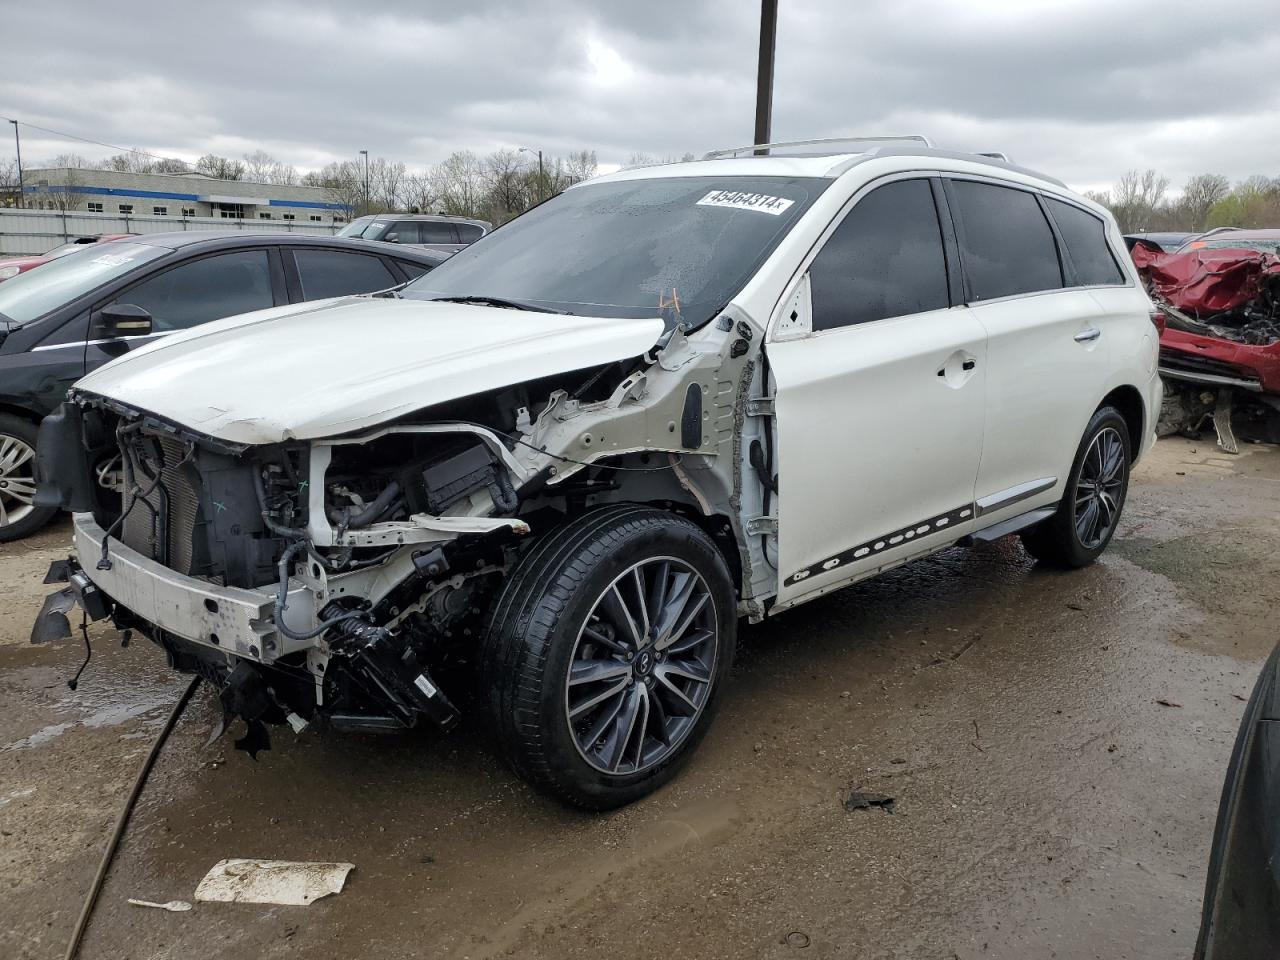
(550, 607)
(15, 431)
(1058, 541)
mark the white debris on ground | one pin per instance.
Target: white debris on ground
(173, 906)
(285, 882)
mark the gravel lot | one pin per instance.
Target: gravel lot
(1046, 804)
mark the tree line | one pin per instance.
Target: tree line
(1141, 203)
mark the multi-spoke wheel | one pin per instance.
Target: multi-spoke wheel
(19, 516)
(1087, 516)
(605, 653)
(642, 667)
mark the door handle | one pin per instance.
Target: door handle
(968, 364)
(1084, 336)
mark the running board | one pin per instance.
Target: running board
(1012, 525)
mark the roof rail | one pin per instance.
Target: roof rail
(825, 147)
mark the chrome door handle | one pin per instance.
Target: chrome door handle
(1084, 336)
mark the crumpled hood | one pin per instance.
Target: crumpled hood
(331, 367)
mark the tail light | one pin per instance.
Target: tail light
(1160, 320)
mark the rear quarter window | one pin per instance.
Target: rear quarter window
(1085, 237)
(1006, 244)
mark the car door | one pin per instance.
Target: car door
(318, 273)
(1046, 353)
(879, 409)
(192, 292)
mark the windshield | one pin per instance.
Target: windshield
(368, 229)
(629, 249)
(1271, 245)
(31, 295)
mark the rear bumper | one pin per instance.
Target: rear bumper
(1209, 360)
(228, 619)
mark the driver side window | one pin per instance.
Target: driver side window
(885, 259)
(206, 289)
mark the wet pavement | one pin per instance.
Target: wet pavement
(1046, 804)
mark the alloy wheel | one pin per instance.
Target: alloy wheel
(642, 667)
(1100, 488)
(17, 480)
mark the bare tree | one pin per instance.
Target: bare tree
(580, 166)
(507, 185)
(1136, 199)
(262, 167)
(419, 193)
(220, 167)
(386, 185)
(65, 195)
(1198, 197)
(459, 183)
(343, 183)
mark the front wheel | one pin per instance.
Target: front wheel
(606, 652)
(19, 516)
(1090, 508)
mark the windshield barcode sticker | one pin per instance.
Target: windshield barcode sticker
(760, 202)
(112, 259)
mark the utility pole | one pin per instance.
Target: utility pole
(764, 72)
(17, 142)
(366, 180)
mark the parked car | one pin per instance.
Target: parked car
(94, 305)
(1160, 241)
(446, 234)
(1264, 241)
(10, 267)
(1241, 911)
(571, 457)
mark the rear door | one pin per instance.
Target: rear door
(317, 273)
(1046, 349)
(880, 409)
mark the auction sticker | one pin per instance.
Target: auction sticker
(113, 259)
(759, 202)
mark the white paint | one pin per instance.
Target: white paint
(286, 882)
(336, 366)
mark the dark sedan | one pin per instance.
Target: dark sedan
(79, 311)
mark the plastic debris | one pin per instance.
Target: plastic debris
(285, 882)
(864, 800)
(173, 906)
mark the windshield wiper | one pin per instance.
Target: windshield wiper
(498, 302)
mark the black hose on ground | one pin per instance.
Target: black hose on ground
(86, 911)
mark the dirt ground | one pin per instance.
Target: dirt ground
(1046, 804)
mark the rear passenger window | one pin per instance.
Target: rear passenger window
(885, 259)
(468, 232)
(1085, 237)
(332, 273)
(436, 232)
(1006, 243)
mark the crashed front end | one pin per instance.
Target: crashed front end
(346, 579)
(1220, 350)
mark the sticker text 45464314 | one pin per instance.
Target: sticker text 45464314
(759, 202)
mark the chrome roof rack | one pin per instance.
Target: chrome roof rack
(815, 148)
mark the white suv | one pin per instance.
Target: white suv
(547, 480)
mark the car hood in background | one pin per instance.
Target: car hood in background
(321, 369)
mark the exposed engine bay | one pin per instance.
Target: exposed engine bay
(347, 579)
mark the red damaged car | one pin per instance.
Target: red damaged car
(1221, 346)
(12, 266)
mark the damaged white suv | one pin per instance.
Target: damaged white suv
(547, 480)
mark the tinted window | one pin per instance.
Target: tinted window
(413, 270)
(1086, 241)
(204, 290)
(331, 273)
(623, 248)
(468, 232)
(1006, 242)
(31, 295)
(434, 232)
(406, 231)
(885, 259)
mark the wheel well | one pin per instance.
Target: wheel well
(1128, 401)
(20, 412)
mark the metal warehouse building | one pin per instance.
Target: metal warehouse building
(176, 195)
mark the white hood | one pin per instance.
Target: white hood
(320, 369)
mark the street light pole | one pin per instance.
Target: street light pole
(764, 72)
(17, 143)
(541, 179)
(366, 180)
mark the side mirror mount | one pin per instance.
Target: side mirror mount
(392, 238)
(122, 320)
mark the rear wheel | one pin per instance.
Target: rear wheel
(1090, 509)
(606, 652)
(19, 516)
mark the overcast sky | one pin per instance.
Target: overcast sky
(1084, 89)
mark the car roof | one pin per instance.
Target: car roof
(231, 239)
(814, 161)
(435, 217)
(1242, 234)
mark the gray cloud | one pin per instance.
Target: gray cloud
(1081, 88)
